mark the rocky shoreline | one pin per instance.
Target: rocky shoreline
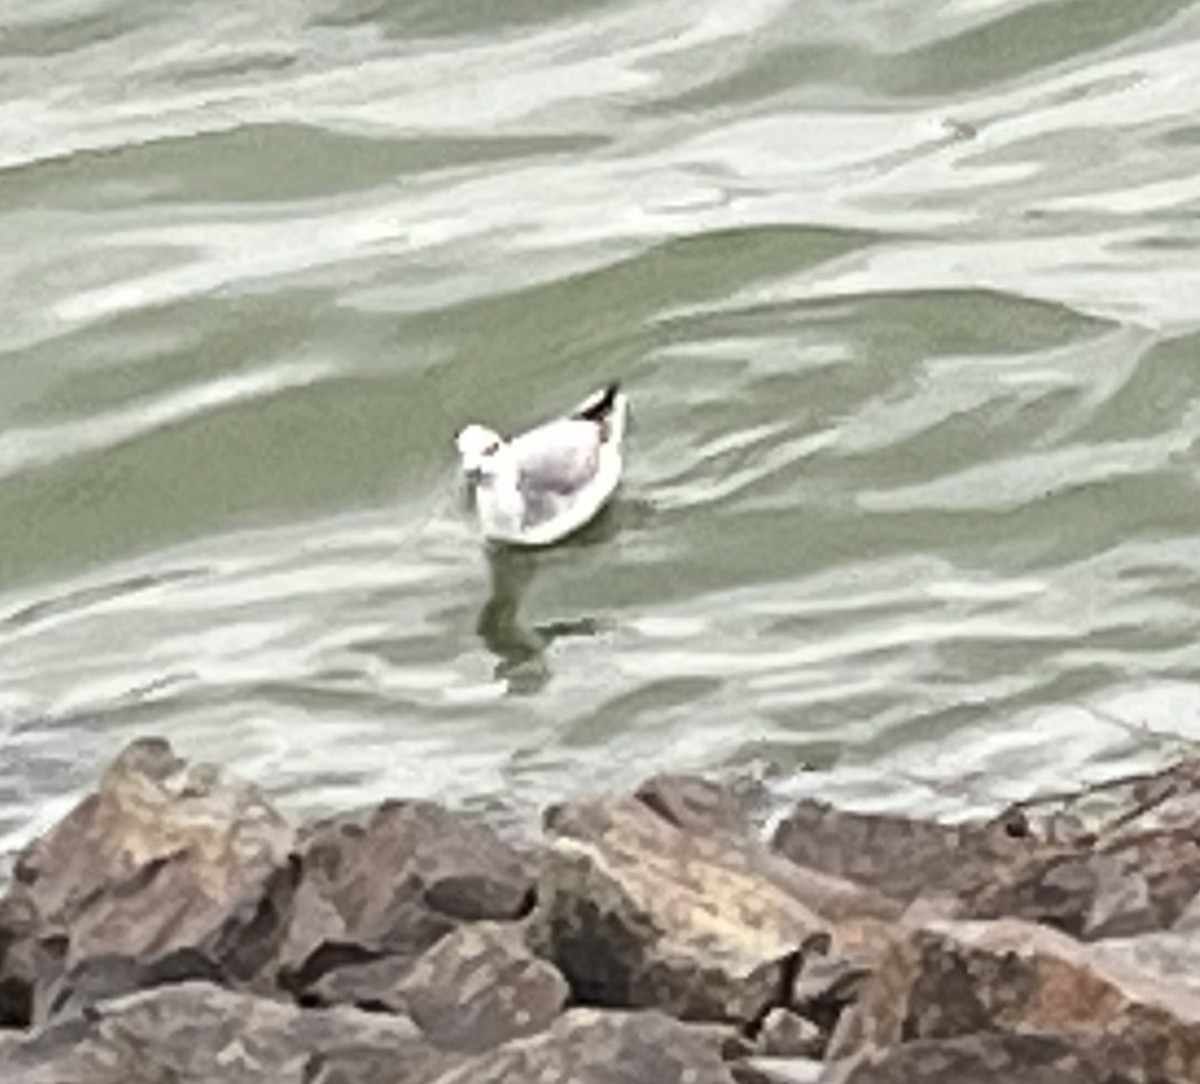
(175, 928)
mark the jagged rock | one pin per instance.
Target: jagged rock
(825, 985)
(27, 964)
(637, 913)
(767, 1069)
(587, 1046)
(1134, 867)
(789, 1035)
(1169, 956)
(994, 1058)
(728, 1041)
(1130, 864)
(392, 881)
(1085, 895)
(694, 804)
(370, 985)
(957, 978)
(480, 986)
(475, 988)
(1133, 884)
(168, 871)
(197, 1033)
(897, 856)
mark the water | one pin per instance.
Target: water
(906, 295)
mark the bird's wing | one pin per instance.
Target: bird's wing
(559, 457)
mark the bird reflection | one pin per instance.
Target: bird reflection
(520, 649)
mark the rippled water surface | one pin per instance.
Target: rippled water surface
(905, 293)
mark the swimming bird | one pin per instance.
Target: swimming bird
(544, 484)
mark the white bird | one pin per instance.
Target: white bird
(545, 484)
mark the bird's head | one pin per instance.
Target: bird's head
(484, 453)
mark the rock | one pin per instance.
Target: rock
(637, 913)
(27, 964)
(1115, 888)
(825, 985)
(1133, 868)
(168, 871)
(392, 881)
(897, 856)
(197, 1033)
(763, 1069)
(787, 1034)
(956, 978)
(1107, 861)
(1170, 956)
(480, 986)
(369, 985)
(588, 1046)
(694, 804)
(1168, 800)
(994, 1058)
(727, 1041)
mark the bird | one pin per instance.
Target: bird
(542, 485)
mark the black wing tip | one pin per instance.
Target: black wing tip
(601, 406)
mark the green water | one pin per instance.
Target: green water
(905, 294)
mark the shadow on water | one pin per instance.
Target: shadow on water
(520, 649)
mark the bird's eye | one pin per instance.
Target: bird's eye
(492, 448)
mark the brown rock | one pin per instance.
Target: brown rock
(825, 985)
(368, 985)
(480, 986)
(897, 856)
(727, 1041)
(168, 871)
(994, 1058)
(637, 913)
(196, 1033)
(392, 881)
(694, 804)
(587, 1046)
(1116, 888)
(956, 978)
(1130, 864)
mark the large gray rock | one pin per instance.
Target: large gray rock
(587, 1046)
(1170, 957)
(168, 871)
(639, 913)
(989, 1058)
(477, 987)
(196, 1033)
(951, 979)
(1132, 869)
(369, 984)
(696, 804)
(480, 986)
(393, 880)
(898, 856)
(1117, 887)
(1117, 859)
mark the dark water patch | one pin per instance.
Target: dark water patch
(431, 19)
(656, 706)
(1161, 396)
(224, 166)
(1035, 37)
(52, 36)
(92, 595)
(242, 461)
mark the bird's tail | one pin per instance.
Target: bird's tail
(608, 407)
